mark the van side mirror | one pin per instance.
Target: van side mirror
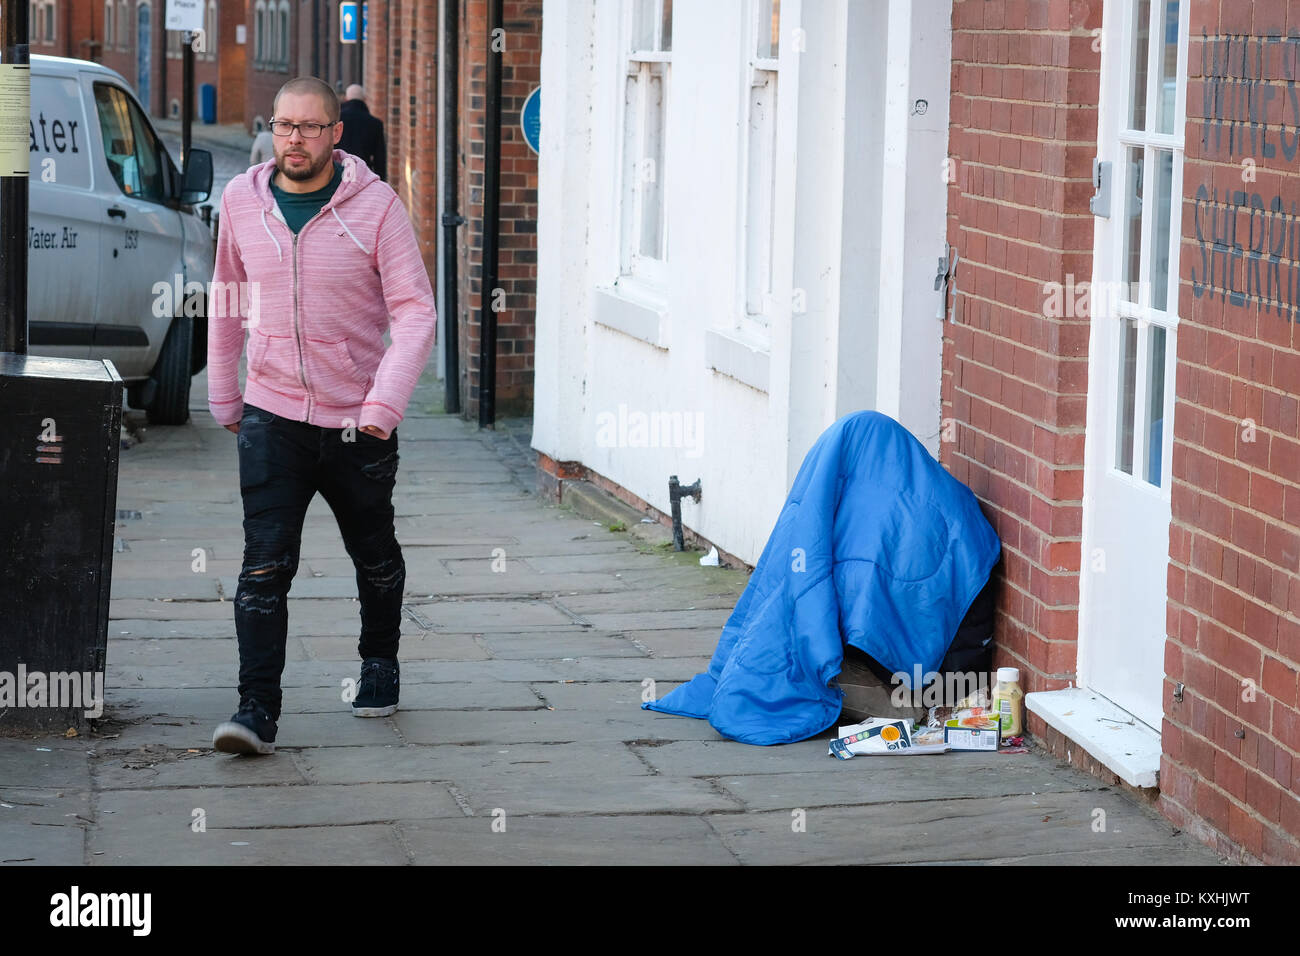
(197, 184)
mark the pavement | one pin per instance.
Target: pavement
(532, 634)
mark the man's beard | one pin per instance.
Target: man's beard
(304, 172)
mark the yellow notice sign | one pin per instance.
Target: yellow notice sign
(15, 118)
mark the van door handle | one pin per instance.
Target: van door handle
(117, 211)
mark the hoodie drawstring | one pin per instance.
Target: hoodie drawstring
(279, 254)
(348, 231)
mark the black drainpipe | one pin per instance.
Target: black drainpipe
(451, 218)
(491, 219)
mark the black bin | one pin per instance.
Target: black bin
(60, 431)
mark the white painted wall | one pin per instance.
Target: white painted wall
(607, 351)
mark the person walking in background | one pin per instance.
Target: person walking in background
(263, 148)
(327, 254)
(363, 134)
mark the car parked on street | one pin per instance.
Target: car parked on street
(119, 257)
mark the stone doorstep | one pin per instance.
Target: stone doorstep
(1109, 742)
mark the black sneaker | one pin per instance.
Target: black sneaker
(377, 690)
(250, 731)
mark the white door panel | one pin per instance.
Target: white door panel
(1134, 297)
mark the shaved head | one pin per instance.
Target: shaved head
(355, 92)
(309, 85)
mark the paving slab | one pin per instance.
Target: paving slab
(594, 760)
(43, 827)
(545, 725)
(155, 766)
(864, 780)
(141, 843)
(561, 645)
(45, 762)
(414, 645)
(630, 840)
(696, 642)
(971, 830)
(619, 696)
(250, 807)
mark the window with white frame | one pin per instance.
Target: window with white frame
(761, 73)
(271, 46)
(259, 33)
(40, 19)
(643, 221)
(282, 55)
(123, 26)
(173, 44)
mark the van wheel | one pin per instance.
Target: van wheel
(171, 403)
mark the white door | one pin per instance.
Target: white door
(1134, 315)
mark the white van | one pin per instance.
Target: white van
(111, 226)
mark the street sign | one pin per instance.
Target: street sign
(184, 15)
(530, 120)
(349, 18)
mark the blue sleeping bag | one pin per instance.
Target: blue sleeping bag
(877, 545)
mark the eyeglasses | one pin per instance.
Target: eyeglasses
(308, 130)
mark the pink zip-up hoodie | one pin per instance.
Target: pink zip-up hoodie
(316, 305)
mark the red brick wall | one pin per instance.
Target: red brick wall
(517, 259)
(1023, 136)
(1231, 767)
(402, 83)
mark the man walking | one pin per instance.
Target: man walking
(324, 259)
(363, 133)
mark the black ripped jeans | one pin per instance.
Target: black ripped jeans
(282, 464)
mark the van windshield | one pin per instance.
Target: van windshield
(132, 152)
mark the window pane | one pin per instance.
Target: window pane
(759, 183)
(1155, 404)
(129, 149)
(1167, 68)
(666, 44)
(1127, 392)
(1159, 252)
(769, 28)
(631, 164)
(1130, 266)
(643, 24)
(1141, 35)
(652, 165)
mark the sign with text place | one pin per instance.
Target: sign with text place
(185, 15)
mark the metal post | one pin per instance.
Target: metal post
(451, 217)
(15, 111)
(491, 217)
(187, 97)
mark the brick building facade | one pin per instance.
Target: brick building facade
(252, 48)
(1027, 384)
(404, 80)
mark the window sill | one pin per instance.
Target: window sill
(635, 312)
(739, 356)
(1121, 742)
